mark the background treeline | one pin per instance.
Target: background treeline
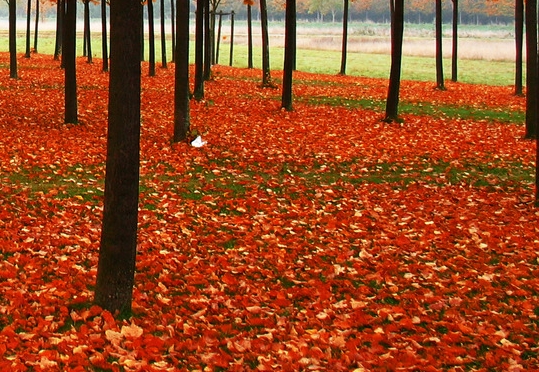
(416, 11)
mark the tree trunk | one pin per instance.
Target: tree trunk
(104, 37)
(454, 53)
(173, 17)
(163, 36)
(117, 253)
(87, 34)
(59, 28)
(199, 51)
(36, 25)
(519, 40)
(207, 41)
(531, 68)
(218, 39)
(181, 87)
(231, 57)
(439, 55)
(266, 74)
(13, 39)
(69, 58)
(289, 54)
(151, 36)
(344, 37)
(397, 30)
(28, 19)
(142, 57)
(249, 37)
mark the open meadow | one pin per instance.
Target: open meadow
(317, 239)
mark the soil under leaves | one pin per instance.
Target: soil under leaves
(317, 239)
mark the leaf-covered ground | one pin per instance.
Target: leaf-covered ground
(318, 239)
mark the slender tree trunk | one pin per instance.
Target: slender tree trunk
(289, 54)
(163, 36)
(28, 19)
(60, 9)
(397, 30)
(13, 39)
(36, 26)
(142, 57)
(151, 36)
(212, 34)
(519, 41)
(104, 37)
(344, 37)
(231, 57)
(207, 41)
(455, 41)
(87, 34)
(69, 57)
(218, 40)
(439, 55)
(181, 87)
(531, 68)
(266, 73)
(249, 37)
(199, 51)
(173, 17)
(117, 253)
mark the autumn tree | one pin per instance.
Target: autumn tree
(117, 252)
(455, 42)
(208, 45)
(28, 19)
(344, 37)
(60, 10)
(173, 17)
(289, 54)
(397, 31)
(104, 37)
(249, 4)
(36, 26)
(181, 83)
(13, 39)
(151, 38)
(266, 73)
(163, 36)
(198, 93)
(87, 36)
(519, 41)
(69, 60)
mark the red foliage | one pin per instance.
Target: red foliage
(272, 247)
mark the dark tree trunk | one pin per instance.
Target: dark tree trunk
(531, 69)
(249, 37)
(117, 253)
(36, 26)
(199, 51)
(60, 9)
(439, 55)
(69, 58)
(397, 30)
(266, 74)
(151, 36)
(142, 57)
(344, 37)
(212, 34)
(519, 41)
(455, 41)
(181, 87)
(13, 39)
(207, 41)
(28, 19)
(218, 40)
(173, 17)
(163, 36)
(104, 37)
(87, 34)
(231, 58)
(289, 54)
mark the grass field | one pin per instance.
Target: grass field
(485, 52)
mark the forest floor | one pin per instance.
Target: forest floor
(317, 239)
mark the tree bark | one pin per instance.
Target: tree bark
(266, 73)
(173, 16)
(117, 253)
(13, 39)
(104, 37)
(163, 36)
(87, 34)
(151, 36)
(36, 26)
(519, 41)
(344, 37)
(289, 54)
(397, 30)
(181, 87)
(199, 51)
(69, 58)
(28, 19)
(249, 37)
(439, 54)
(531, 68)
(455, 41)
(60, 9)
(207, 41)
